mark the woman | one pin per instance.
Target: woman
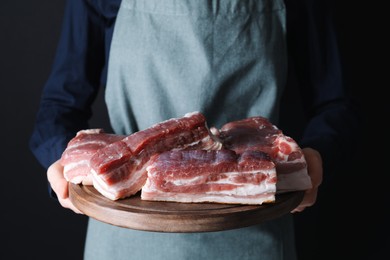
(161, 59)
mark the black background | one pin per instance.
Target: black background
(348, 220)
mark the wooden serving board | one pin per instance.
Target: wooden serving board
(135, 213)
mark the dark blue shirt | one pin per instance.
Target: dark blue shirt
(80, 69)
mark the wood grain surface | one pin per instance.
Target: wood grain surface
(138, 214)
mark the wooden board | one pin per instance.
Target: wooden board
(135, 213)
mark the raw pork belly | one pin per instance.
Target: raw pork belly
(258, 134)
(219, 176)
(79, 151)
(119, 169)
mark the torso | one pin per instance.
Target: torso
(226, 59)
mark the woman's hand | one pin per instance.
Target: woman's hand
(55, 176)
(314, 168)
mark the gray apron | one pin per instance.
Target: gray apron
(224, 58)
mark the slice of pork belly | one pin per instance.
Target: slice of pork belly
(218, 176)
(80, 149)
(119, 170)
(258, 134)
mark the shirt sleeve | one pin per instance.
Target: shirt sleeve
(331, 114)
(73, 83)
